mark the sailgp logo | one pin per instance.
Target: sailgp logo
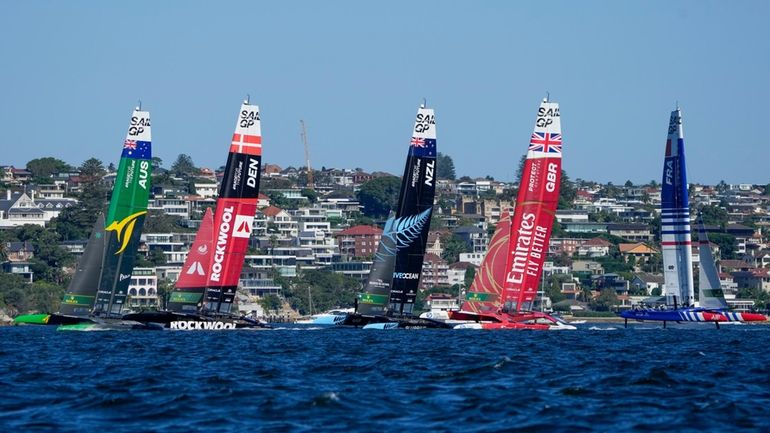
(124, 229)
(224, 232)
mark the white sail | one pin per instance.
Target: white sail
(710, 288)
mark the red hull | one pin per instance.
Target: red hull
(533, 320)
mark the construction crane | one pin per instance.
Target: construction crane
(303, 133)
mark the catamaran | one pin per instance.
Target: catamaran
(676, 244)
(504, 290)
(388, 297)
(98, 290)
(204, 294)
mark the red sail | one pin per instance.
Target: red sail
(485, 293)
(195, 270)
(535, 209)
(236, 207)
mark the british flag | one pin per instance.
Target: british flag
(129, 144)
(417, 142)
(545, 142)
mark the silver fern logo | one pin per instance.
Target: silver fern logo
(401, 233)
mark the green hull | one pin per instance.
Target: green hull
(32, 319)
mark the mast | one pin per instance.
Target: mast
(307, 155)
(676, 240)
(126, 214)
(533, 217)
(236, 207)
(415, 205)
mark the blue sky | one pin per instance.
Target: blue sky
(355, 71)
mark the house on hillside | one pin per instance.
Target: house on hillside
(640, 251)
(646, 282)
(359, 241)
(595, 247)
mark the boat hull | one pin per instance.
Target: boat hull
(50, 319)
(392, 322)
(529, 320)
(691, 315)
(194, 322)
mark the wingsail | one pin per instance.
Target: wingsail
(676, 243)
(187, 295)
(236, 207)
(535, 209)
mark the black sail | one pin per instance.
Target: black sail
(375, 298)
(81, 292)
(415, 205)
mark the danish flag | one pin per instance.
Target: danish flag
(249, 144)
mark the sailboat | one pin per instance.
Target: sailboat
(504, 290)
(98, 290)
(389, 295)
(204, 294)
(676, 244)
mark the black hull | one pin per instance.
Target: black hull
(359, 321)
(193, 322)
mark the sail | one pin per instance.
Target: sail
(675, 219)
(415, 205)
(535, 209)
(188, 291)
(236, 207)
(485, 293)
(126, 214)
(710, 287)
(374, 299)
(81, 292)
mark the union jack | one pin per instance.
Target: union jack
(545, 142)
(129, 144)
(418, 142)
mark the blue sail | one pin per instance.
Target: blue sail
(676, 241)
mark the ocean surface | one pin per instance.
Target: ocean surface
(601, 378)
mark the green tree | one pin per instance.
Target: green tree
(326, 288)
(184, 166)
(713, 215)
(726, 244)
(470, 274)
(445, 167)
(379, 195)
(43, 168)
(605, 301)
(453, 246)
(567, 192)
(312, 195)
(270, 303)
(76, 222)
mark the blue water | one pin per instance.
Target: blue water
(600, 378)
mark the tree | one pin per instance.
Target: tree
(76, 222)
(606, 300)
(270, 303)
(520, 167)
(628, 184)
(445, 167)
(567, 192)
(312, 195)
(453, 246)
(470, 274)
(184, 166)
(379, 195)
(326, 288)
(714, 215)
(156, 163)
(43, 168)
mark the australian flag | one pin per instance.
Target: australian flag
(423, 146)
(137, 149)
